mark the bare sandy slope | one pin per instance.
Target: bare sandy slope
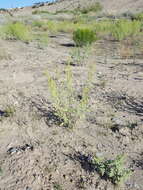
(109, 6)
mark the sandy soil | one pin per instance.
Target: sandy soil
(35, 153)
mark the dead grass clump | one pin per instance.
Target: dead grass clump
(126, 52)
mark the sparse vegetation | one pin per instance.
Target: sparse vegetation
(38, 23)
(112, 169)
(91, 8)
(125, 28)
(80, 55)
(45, 26)
(16, 31)
(42, 38)
(40, 12)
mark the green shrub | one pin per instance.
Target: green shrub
(112, 169)
(55, 26)
(68, 107)
(83, 37)
(16, 31)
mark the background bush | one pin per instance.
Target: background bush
(125, 28)
(84, 37)
(16, 31)
(91, 8)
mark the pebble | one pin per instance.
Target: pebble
(124, 131)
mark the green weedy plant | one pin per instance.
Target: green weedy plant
(79, 55)
(112, 169)
(83, 37)
(103, 27)
(68, 107)
(9, 111)
(139, 16)
(17, 31)
(57, 186)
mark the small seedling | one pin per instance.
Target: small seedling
(112, 169)
(57, 186)
(9, 111)
(132, 125)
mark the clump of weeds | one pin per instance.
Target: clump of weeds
(80, 55)
(68, 106)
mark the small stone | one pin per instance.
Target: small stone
(99, 154)
(118, 122)
(28, 188)
(126, 140)
(124, 131)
